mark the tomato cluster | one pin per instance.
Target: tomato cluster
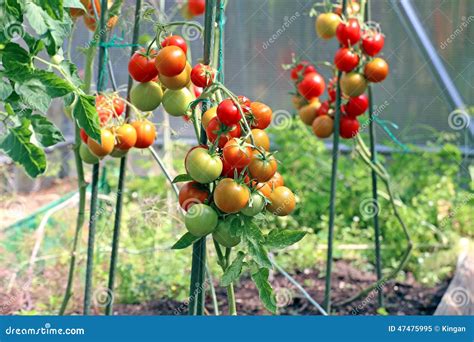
(117, 136)
(356, 59)
(235, 173)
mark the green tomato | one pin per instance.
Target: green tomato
(118, 153)
(200, 220)
(176, 102)
(255, 205)
(201, 166)
(223, 236)
(86, 155)
(146, 96)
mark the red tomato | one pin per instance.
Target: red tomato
(303, 68)
(175, 40)
(216, 128)
(228, 113)
(348, 33)
(237, 154)
(346, 59)
(323, 109)
(141, 67)
(349, 127)
(356, 105)
(376, 70)
(197, 7)
(192, 193)
(244, 103)
(197, 91)
(261, 115)
(119, 105)
(228, 170)
(372, 43)
(202, 75)
(311, 86)
(84, 135)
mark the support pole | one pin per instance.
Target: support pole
(197, 291)
(332, 209)
(95, 173)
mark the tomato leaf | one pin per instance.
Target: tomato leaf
(185, 241)
(70, 69)
(5, 90)
(34, 94)
(54, 8)
(37, 18)
(14, 58)
(233, 272)
(57, 33)
(73, 4)
(86, 116)
(265, 291)
(45, 131)
(259, 253)
(283, 238)
(18, 147)
(182, 178)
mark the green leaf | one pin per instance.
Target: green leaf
(18, 147)
(54, 8)
(86, 116)
(15, 57)
(283, 238)
(5, 89)
(182, 178)
(37, 18)
(70, 69)
(74, 4)
(185, 241)
(233, 272)
(45, 131)
(34, 94)
(258, 253)
(35, 46)
(55, 85)
(57, 33)
(265, 291)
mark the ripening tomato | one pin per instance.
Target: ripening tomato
(276, 181)
(87, 156)
(107, 143)
(192, 193)
(141, 66)
(202, 75)
(228, 113)
(146, 96)
(348, 33)
(231, 196)
(202, 166)
(175, 40)
(261, 115)
(326, 25)
(372, 43)
(118, 153)
(208, 115)
(170, 61)
(237, 154)
(255, 205)
(215, 128)
(302, 69)
(263, 188)
(126, 137)
(323, 126)
(349, 127)
(353, 84)
(223, 235)
(262, 167)
(177, 82)
(200, 220)
(376, 70)
(308, 113)
(146, 133)
(176, 102)
(282, 201)
(260, 138)
(356, 105)
(346, 59)
(230, 171)
(197, 7)
(83, 135)
(311, 86)
(119, 105)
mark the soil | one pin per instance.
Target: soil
(401, 298)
